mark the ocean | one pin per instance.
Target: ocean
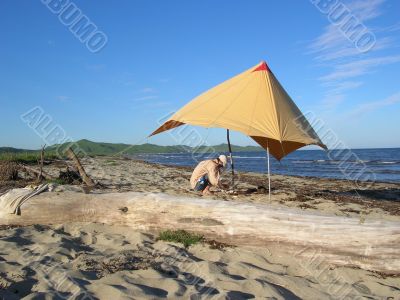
(359, 164)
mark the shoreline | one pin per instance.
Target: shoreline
(386, 202)
(131, 157)
(265, 174)
(336, 196)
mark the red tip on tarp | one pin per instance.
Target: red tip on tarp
(262, 67)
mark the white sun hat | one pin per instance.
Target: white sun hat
(223, 159)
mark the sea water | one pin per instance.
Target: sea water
(357, 164)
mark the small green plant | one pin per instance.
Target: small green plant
(180, 236)
(57, 181)
(111, 162)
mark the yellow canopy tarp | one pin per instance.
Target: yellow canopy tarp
(254, 103)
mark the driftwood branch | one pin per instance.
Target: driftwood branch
(37, 173)
(40, 175)
(86, 179)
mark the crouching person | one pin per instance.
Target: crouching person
(207, 173)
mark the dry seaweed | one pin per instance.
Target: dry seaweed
(8, 170)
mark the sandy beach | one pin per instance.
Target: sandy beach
(82, 259)
(213, 150)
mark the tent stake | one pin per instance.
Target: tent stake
(230, 158)
(269, 176)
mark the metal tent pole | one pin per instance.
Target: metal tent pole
(231, 158)
(269, 176)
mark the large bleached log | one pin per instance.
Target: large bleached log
(371, 244)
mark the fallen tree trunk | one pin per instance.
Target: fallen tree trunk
(372, 245)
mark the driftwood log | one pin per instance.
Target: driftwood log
(86, 179)
(37, 173)
(369, 244)
(40, 176)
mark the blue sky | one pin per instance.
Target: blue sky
(161, 54)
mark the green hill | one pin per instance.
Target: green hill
(14, 150)
(97, 148)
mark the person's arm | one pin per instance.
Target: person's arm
(213, 174)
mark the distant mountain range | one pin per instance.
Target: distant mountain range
(15, 150)
(96, 148)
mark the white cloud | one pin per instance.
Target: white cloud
(344, 86)
(332, 99)
(333, 42)
(148, 93)
(157, 104)
(394, 27)
(366, 10)
(344, 62)
(375, 105)
(345, 49)
(63, 98)
(144, 98)
(358, 67)
(335, 94)
(126, 79)
(147, 90)
(95, 67)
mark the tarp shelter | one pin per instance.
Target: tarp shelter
(254, 103)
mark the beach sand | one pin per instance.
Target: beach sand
(78, 260)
